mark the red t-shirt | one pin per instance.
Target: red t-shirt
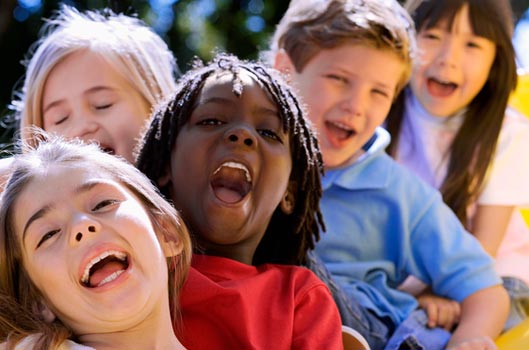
(229, 305)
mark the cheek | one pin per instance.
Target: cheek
(45, 272)
(416, 82)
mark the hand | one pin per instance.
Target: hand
(441, 312)
(481, 343)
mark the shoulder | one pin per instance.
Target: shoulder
(298, 278)
(70, 345)
(28, 343)
(513, 140)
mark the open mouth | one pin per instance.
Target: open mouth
(108, 150)
(231, 182)
(339, 131)
(440, 88)
(104, 268)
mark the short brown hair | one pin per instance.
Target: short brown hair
(309, 26)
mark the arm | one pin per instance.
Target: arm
(489, 226)
(442, 312)
(481, 320)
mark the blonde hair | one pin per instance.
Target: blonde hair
(126, 43)
(18, 295)
(310, 26)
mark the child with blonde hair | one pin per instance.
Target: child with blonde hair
(96, 76)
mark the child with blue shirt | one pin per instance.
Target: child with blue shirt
(383, 223)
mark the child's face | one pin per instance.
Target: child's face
(348, 91)
(453, 66)
(230, 166)
(85, 97)
(63, 235)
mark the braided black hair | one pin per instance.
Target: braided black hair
(288, 237)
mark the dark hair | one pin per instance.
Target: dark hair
(473, 147)
(288, 237)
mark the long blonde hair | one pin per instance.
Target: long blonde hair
(133, 49)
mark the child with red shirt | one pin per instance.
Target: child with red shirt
(235, 154)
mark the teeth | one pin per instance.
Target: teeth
(445, 82)
(341, 126)
(86, 275)
(235, 165)
(111, 277)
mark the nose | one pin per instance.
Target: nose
(83, 228)
(449, 54)
(241, 135)
(83, 125)
(352, 102)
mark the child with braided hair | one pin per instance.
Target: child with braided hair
(236, 156)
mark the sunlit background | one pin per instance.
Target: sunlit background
(190, 27)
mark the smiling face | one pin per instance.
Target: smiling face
(230, 166)
(91, 250)
(85, 97)
(348, 91)
(453, 66)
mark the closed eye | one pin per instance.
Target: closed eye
(336, 77)
(47, 236)
(473, 44)
(61, 120)
(381, 92)
(430, 36)
(103, 106)
(105, 203)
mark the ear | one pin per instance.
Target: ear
(288, 203)
(283, 63)
(42, 309)
(165, 179)
(171, 248)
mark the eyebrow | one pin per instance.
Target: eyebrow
(85, 187)
(227, 101)
(87, 92)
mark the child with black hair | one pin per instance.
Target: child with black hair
(452, 127)
(223, 150)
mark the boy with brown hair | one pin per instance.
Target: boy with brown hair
(348, 59)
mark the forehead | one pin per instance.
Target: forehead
(54, 183)
(231, 84)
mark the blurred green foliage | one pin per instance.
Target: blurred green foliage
(190, 27)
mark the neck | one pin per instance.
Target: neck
(154, 333)
(242, 251)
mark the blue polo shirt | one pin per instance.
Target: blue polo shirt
(384, 224)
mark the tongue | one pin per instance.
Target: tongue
(339, 133)
(104, 271)
(227, 195)
(440, 90)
